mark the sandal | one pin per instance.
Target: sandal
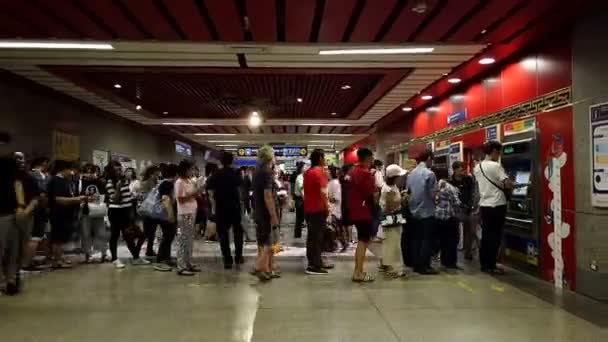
(395, 274)
(367, 278)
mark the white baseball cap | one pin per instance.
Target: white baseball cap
(394, 170)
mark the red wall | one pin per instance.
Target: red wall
(532, 75)
(350, 155)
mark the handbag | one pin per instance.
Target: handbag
(507, 192)
(97, 210)
(152, 206)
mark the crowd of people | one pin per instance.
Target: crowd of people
(417, 214)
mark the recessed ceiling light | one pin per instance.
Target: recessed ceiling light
(484, 31)
(165, 113)
(299, 99)
(445, 74)
(426, 97)
(15, 44)
(375, 51)
(454, 80)
(138, 107)
(334, 113)
(254, 119)
(254, 113)
(432, 109)
(406, 109)
(216, 134)
(225, 141)
(187, 124)
(345, 87)
(325, 124)
(117, 86)
(487, 60)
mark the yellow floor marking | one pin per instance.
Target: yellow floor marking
(465, 286)
(497, 288)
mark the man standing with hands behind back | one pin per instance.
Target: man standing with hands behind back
(316, 209)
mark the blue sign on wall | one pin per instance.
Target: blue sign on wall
(183, 148)
(492, 133)
(457, 117)
(279, 151)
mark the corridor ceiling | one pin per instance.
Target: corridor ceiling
(200, 67)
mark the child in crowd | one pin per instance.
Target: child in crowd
(392, 221)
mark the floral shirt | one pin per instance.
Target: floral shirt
(448, 203)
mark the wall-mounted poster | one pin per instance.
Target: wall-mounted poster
(598, 116)
(125, 161)
(100, 158)
(66, 146)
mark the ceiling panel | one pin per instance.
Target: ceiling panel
(336, 15)
(78, 19)
(37, 17)
(186, 15)
(518, 20)
(492, 11)
(114, 18)
(374, 14)
(225, 17)
(150, 16)
(262, 19)
(451, 12)
(299, 16)
(406, 23)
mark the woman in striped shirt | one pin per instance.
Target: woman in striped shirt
(122, 215)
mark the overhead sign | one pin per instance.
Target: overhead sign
(493, 133)
(442, 144)
(457, 117)
(183, 148)
(598, 117)
(279, 151)
(520, 126)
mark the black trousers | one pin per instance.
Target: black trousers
(225, 221)
(408, 243)
(121, 221)
(299, 204)
(492, 224)
(424, 237)
(448, 237)
(314, 242)
(164, 248)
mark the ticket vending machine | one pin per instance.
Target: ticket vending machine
(521, 239)
(441, 156)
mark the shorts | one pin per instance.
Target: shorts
(263, 232)
(365, 230)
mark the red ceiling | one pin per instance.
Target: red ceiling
(234, 93)
(326, 130)
(272, 20)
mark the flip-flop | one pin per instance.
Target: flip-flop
(366, 279)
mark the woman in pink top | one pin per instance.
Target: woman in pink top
(186, 194)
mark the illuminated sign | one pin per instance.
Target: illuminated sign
(443, 144)
(279, 151)
(520, 126)
(457, 117)
(183, 148)
(508, 150)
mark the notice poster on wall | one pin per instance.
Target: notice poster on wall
(100, 158)
(66, 146)
(124, 160)
(493, 133)
(598, 117)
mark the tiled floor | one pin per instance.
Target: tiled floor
(98, 303)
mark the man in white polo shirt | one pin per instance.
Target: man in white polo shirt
(493, 184)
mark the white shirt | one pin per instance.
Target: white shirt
(299, 186)
(490, 195)
(334, 193)
(384, 192)
(379, 178)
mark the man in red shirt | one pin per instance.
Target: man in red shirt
(316, 208)
(360, 199)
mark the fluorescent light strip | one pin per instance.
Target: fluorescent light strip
(186, 124)
(11, 44)
(225, 141)
(227, 145)
(332, 135)
(376, 51)
(215, 134)
(326, 141)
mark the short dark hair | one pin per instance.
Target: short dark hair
(364, 153)
(38, 161)
(424, 156)
(457, 165)
(316, 156)
(183, 168)
(227, 158)
(169, 171)
(491, 146)
(378, 163)
(333, 172)
(61, 165)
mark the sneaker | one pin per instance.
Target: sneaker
(139, 262)
(185, 273)
(162, 268)
(316, 271)
(118, 264)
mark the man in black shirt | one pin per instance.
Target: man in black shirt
(466, 185)
(224, 191)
